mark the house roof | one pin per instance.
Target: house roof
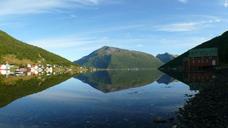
(203, 52)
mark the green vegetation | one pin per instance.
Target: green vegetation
(115, 58)
(17, 52)
(220, 42)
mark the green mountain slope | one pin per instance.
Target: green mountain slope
(17, 52)
(110, 57)
(220, 42)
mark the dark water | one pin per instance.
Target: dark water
(115, 99)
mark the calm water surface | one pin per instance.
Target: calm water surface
(115, 99)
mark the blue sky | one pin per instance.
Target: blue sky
(74, 28)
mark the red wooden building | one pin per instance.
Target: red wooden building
(205, 58)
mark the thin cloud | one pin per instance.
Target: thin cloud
(66, 46)
(120, 28)
(183, 1)
(226, 4)
(12, 7)
(186, 26)
(178, 27)
(63, 42)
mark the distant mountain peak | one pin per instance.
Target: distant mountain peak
(105, 47)
(108, 50)
(165, 57)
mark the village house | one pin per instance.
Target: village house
(29, 69)
(29, 66)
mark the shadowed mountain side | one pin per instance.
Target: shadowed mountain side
(219, 42)
(21, 87)
(109, 81)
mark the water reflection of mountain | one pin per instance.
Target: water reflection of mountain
(165, 79)
(208, 108)
(109, 81)
(13, 88)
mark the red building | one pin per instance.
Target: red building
(205, 58)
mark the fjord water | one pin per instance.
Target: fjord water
(114, 99)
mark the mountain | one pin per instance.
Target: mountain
(166, 57)
(17, 52)
(110, 57)
(165, 79)
(220, 42)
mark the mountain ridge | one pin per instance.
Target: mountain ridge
(111, 57)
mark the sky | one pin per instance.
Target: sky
(75, 28)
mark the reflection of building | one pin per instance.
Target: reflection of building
(205, 58)
(199, 77)
(5, 72)
(198, 80)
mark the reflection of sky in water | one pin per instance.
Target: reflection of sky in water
(74, 103)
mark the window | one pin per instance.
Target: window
(214, 62)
